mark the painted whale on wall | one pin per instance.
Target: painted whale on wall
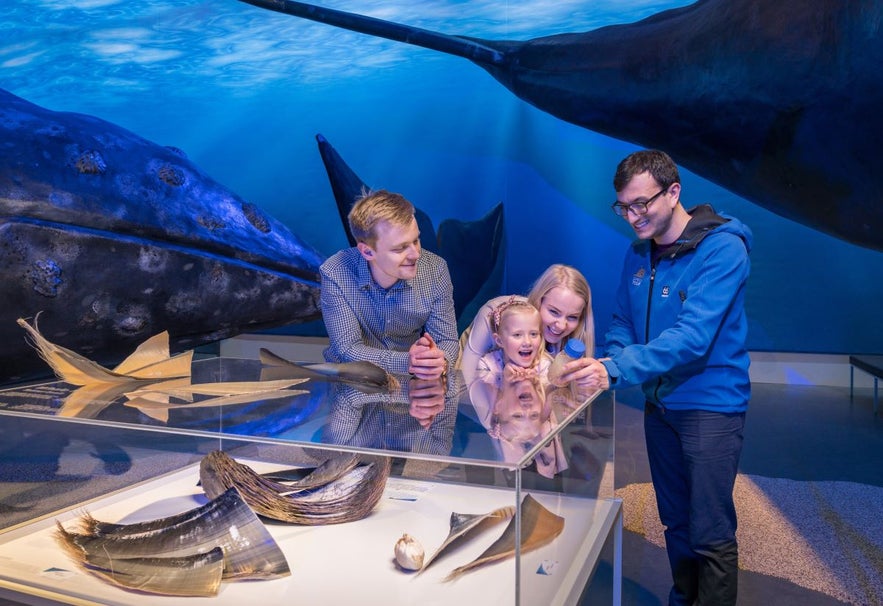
(472, 249)
(114, 239)
(779, 102)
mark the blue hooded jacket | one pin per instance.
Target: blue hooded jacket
(679, 328)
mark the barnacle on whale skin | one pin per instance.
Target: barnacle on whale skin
(171, 175)
(91, 162)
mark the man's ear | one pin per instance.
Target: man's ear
(367, 251)
(674, 191)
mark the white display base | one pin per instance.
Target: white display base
(338, 564)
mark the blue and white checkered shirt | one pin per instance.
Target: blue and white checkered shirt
(367, 322)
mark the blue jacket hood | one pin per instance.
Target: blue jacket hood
(703, 221)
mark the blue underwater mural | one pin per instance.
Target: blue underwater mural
(244, 91)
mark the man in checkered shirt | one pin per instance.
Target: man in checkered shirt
(385, 300)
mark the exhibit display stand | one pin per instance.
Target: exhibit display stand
(444, 461)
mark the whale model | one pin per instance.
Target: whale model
(779, 102)
(112, 239)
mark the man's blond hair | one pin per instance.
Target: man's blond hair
(374, 207)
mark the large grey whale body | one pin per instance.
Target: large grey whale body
(113, 238)
(779, 102)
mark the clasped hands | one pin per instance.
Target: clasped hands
(427, 361)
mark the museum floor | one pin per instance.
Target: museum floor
(809, 499)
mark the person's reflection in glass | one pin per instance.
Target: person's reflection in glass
(524, 419)
(519, 419)
(426, 400)
(418, 417)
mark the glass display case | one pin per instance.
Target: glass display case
(517, 452)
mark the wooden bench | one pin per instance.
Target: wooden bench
(873, 365)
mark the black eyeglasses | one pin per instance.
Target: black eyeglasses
(639, 207)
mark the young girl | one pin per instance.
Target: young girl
(508, 391)
(564, 300)
(517, 332)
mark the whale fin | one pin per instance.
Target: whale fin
(479, 51)
(470, 248)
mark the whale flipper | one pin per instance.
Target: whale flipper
(348, 187)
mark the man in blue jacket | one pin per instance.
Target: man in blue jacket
(679, 330)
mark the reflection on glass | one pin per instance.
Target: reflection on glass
(517, 414)
(417, 417)
(521, 419)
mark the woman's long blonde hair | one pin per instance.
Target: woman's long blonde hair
(571, 279)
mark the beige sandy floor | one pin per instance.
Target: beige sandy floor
(825, 536)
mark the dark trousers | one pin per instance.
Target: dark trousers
(694, 456)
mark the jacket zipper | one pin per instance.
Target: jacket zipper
(649, 299)
(647, 330)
